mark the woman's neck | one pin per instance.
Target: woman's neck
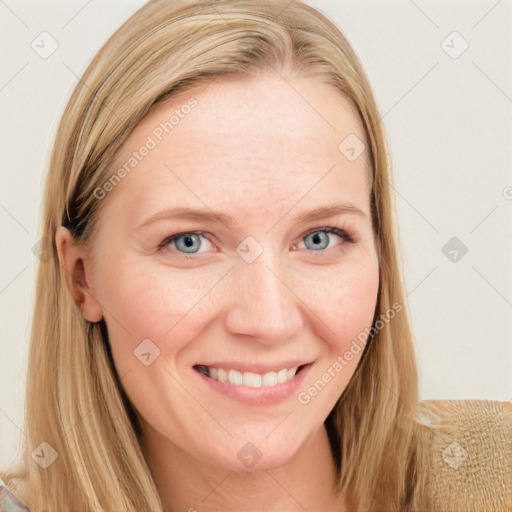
(185, 484)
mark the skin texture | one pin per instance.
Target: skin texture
(263, 150)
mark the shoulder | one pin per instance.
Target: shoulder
(470, 455)
(9, 501)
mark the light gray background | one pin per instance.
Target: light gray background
(449, 122)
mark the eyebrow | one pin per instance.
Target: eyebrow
(207, 215)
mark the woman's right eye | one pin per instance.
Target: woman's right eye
(187, 243)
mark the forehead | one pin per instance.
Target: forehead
(254, 142)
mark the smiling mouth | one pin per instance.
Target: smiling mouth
(249, 379)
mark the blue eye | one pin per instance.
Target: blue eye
(320, 237)
(189, 243)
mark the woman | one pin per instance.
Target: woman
(223, 324)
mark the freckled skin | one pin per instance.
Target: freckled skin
(258, 151)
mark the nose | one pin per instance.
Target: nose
(262, 303)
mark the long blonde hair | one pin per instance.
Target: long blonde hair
(74, 398)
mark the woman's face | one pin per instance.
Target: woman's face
(255, 286)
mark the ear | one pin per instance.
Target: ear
(75, 260)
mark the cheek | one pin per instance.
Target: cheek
(346, 304)
(142, 301)
(347, 310)
(358, 297)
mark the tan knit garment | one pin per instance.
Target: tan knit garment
(471, 464)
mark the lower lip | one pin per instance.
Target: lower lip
(263, 395)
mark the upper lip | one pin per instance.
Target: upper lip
(255, 367)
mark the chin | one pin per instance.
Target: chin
(257, 453)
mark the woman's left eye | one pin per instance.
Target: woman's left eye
(319, 238)
(189, 243)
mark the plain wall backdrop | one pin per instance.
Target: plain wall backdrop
(441, 73)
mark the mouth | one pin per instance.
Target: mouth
(250, 379)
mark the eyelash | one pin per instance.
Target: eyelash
(325, 229)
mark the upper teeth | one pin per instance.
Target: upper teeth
(253, 380)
